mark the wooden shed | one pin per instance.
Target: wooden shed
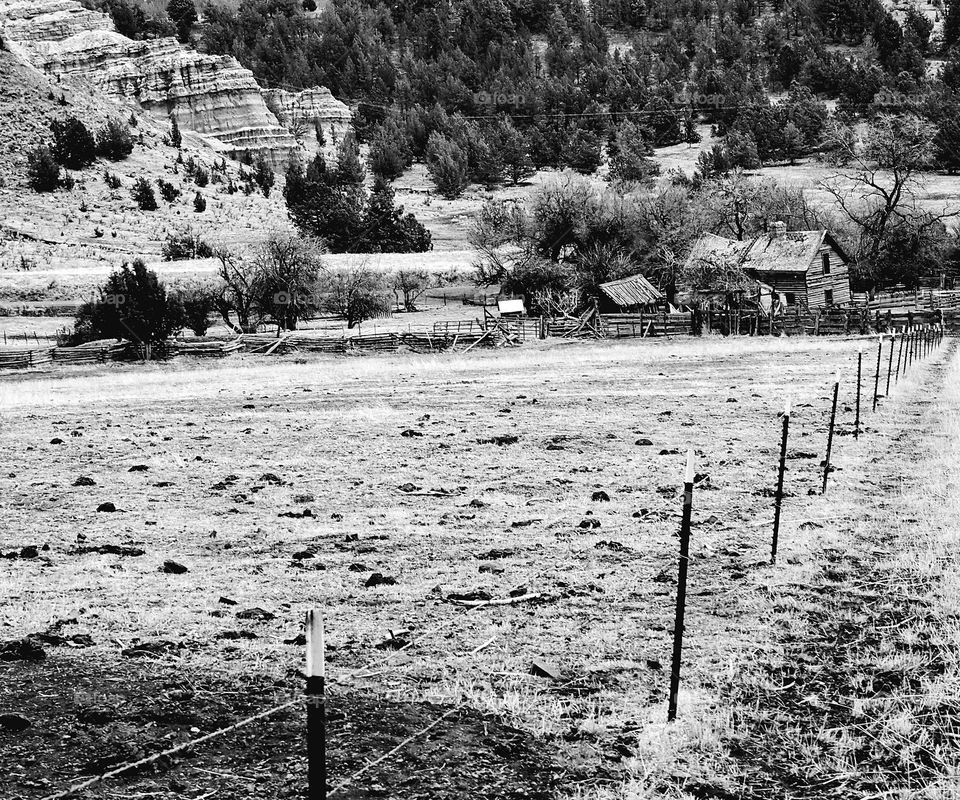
(804, 268)
(635, 293)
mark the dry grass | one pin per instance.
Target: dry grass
(330, 429)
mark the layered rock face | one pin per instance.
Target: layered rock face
(212, 95)
(303, 112)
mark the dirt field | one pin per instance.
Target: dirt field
(290, 484)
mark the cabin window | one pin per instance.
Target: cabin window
(791, 298)
(825, 258)
(828, 297)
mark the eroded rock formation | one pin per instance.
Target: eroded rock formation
(212, 95)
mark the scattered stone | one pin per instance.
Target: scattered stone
(652, 663)
(600, 497)
(301, 499)
(410, 433)
(471, 596)
(173, 568)
(306, 513)
(107, 508)
(96, 715)
(83, 480)
(237, 635)
(14, 723)
(249, 406)
(644, 443)
(555, 447)
(477, 504)
(409, 487)
(29, 551)
(545, 669)
(336, 516)
(269, 477)
(497, 552)
(112, 550)
(589, 524)
(500, 441)
(302, 555)
(671, 452)
(524, 523)
(357, 567)
(227, 601)
(138, 468)
(155, 648)
(21, 650)
(493, 569)
(256, 613)
(56, 440)
(379, 579)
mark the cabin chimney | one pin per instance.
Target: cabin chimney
(777, 228)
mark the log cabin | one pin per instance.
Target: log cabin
(805, 268)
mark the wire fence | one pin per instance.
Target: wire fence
(916, 344)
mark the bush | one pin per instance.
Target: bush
(112, 181)
(168, 191)
(263, 175)
(114, 141)
(198, 303)
(199, 203)
(133, 304)
(201, 177)
(143, 195)
(43, 171)
(73, 145)
(185, 245)
(174, 139)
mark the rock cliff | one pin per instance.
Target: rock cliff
(212, 95)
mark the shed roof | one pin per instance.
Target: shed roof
(713, 249)
(633, 291)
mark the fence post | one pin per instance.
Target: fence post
(900, 355)
(833, 419)
(856, 425)
(681, 588)
(876, 380)
(778, 498)
(893, 344)
(316, 709)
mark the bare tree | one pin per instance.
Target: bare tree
(876, 183)
(289, 268)
(410, 284)
(241, 290)
(356, 293)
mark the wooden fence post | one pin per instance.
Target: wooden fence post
(778, 497)
(316, 709)
(833, 419)
(681, 588)
(876, 380)
(893, 343)
(856, 425)
(900, 355)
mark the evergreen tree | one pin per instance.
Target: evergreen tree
(133, 304)
(447, 165)
(629, 155)
(143, 195)
(175, 138)
(387, 229)
(350, 171)
(199, 203)
(389, 155)
(183, 14)
(43, 171)
(793, 143)
(951, 24)
(515, 151)
(73, 145)
(263, 175)
(114, 141)
(581, 150)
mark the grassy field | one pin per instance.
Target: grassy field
(481, 477)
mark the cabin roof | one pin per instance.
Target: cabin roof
(788, 251)
(633, 291)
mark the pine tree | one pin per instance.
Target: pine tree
(43, 171)
(951, 24)
(73, 145)
(175, 139)
(447, 165)
(143, 195)
(350, 171)
(515, 152)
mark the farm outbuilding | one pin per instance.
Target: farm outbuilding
(802, 268)
(631, 294)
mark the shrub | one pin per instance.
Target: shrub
(184, 245)
(114, 141)
(143, 195)
(198, 303)
(174, 139)
(112, 181)
(73, 145)
(168, 191)
(43, 171)
(199, 203)
(133, 304)
(263, 175)
(201, 177)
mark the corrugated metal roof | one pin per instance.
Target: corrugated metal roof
(633, 291)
